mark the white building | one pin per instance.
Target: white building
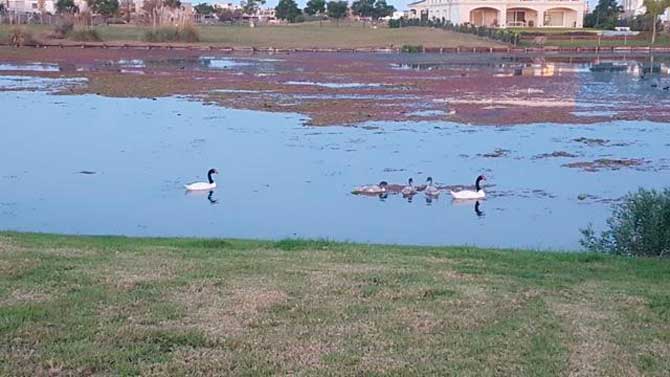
(31, 6)
(227, 6)
(632, 8)
(38, 6)
(504, 13)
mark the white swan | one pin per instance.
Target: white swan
(371, 189)
(469, 194)
(408, 190)
(203, 186)
(431, 190)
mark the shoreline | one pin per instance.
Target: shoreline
(134, 45)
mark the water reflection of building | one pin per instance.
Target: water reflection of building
(503, 13)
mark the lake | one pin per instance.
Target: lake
(90, 164)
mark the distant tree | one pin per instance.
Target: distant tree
(371, 8)
(383, 10)
(640, 22)
(604, 16)
(127, 7)
(66, 7)
(2, 8)
(204, 9)
(105, 8)
(251, 6)
(363, 8)
(152, 8)
(287, 10)
(654, 9)
(337, 9)
(229, 15)
(315, 7)
(174, 4)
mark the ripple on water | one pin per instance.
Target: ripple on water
(38, 83)
(32, 67)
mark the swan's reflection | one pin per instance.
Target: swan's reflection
(210, 195)
(383, 196)
(478, 210)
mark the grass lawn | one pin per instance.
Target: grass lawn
(549, 30)
(662, 40)
(164, 307)
(306, 35)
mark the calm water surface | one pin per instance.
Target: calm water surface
(281, 179)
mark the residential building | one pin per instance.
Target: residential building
(31, 6)
(504, 13)
(632, 8)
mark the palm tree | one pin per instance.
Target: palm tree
(654, 9)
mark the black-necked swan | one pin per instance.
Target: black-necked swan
(371, 189)
(202, 186)
(431, 190)
(408, 190)
(469, 194)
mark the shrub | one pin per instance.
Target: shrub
(85, 35)
(20, 37)
(62, 29)
(508, 36)
(411, 49)
(171, 34)
(639, 226)
(188, 33)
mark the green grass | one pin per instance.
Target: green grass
(127, 306)
(307, 35)
(549, 30)
(662, 40)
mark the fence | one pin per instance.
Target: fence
(28, 18)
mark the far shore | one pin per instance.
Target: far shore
(349, 36)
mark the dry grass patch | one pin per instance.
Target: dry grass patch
(479, 305)
(298, 355)
(194, 362)
(381, 364)
(221, 312)
(12, 268)
(593, 351)
(127, 271)
(417, 320)
(7, 244)
(25, 296)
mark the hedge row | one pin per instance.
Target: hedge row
(504, 35)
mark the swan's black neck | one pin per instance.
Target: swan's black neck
(477, 187)
(209, 177)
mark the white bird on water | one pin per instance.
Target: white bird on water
(371, 189)
(408, 190)
(203, 186)
(478, 193)
(431, 190)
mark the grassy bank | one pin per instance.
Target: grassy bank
(306, 35)
(123, 306)
(554, 38)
